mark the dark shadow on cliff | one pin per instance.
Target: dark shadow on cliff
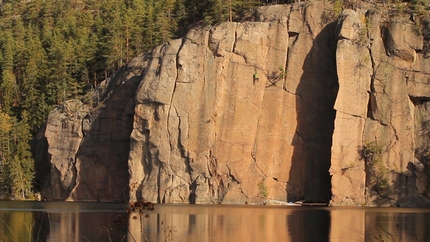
(101, 162)
(399, 189)
(408, 188)
(103, 155)
(41, 156)
(392, 187)
(315, 96)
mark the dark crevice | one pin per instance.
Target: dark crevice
(419, 100)
(309, 177)
(193, 187)
(232, 177)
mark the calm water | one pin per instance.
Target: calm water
(66, 221)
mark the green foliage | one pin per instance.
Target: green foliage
(216, 11)
(371, 152)
(262, 189)
(419, 6)
(378, 175)
(276, 76)
(16, 165)
(337, 7)
(52, 51)
(382, 186)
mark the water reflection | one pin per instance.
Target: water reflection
(380, 224)
(17, 226)
(108, 222)
(61, 221)
(212, 223)
(309, 225)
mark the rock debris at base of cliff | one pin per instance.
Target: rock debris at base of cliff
(297, 105)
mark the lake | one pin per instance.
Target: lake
(78, 221)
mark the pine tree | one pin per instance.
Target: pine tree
(32, 79)
(16, 165)
(217, 11)
(21, 164)
(51, 51)
(134, 21)
(164, 20)
(5, 127)
(8, 87)
(112, 35)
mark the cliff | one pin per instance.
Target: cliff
(82, 153)
(297, 105)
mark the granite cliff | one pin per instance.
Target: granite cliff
(296, 105)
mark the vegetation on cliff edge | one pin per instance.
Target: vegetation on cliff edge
(51, 51)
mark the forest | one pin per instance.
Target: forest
(55, 50)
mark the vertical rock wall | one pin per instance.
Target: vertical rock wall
(298, 105)
(83, 153)
(238, 113)
(378, 154)
(62, 149)
(354, 69)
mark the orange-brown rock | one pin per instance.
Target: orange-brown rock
(83, 153)
(298, 105)
(380, 129)
(207, 130)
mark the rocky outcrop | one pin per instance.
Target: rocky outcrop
(380, 126)
(298, 105)
(83, 153)
(207, 131)
(63, 146)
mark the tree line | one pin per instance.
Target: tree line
(52, 50)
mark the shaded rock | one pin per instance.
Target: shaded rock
(63, 147)
(401, 40)
(87, 148)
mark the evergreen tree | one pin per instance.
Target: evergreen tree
(16, 165)
(5, 127)
(5, 151)
(112, 35)
(51, 51)
(20, 163)
(164, 20)
(32, 78)
(195, 10)
(8, 87)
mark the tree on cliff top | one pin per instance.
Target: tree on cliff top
(51, 51)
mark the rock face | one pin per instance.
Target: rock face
(206, 130)
(297, 105)
(383, 72)
(83, 153)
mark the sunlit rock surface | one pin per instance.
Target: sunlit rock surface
(207, 131)
(298, 105)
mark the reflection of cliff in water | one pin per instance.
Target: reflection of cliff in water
(309, 225)
(265, 223)
(59, 221)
